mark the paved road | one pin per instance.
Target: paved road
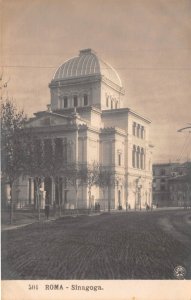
(136, 245)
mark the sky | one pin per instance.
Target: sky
(148, 42)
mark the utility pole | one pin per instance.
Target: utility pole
(184, 128)
(187, 129)
(188, 187)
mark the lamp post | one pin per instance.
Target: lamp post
(126, 200)
(139, 196)
(150, 196)
(138, 192)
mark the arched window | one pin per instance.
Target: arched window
(111, 104)
(85, 99)
(107, 101)
(134, 128)
(142, 159)
(162, 172)
(119, 198)
(138, 130)
(134, 157)
(138, 157)
(119, 159)
(142, 132)
(116, 104)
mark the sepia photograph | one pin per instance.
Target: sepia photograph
(95, 149)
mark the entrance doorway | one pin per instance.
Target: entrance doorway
(58, 191)
(48, 189)
(119, 200)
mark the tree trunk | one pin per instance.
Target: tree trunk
(89, 193)
(109, 198)
(38, 202)
(104, 198)
(76, 199)
(59, 200)
(11, 203)
(188, 204)
(136, 195)
(38, 197)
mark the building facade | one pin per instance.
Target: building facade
(87, 122)
(161, 175)
(180, 186)
(171, 184)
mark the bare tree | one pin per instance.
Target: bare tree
(89, 175)
(74, 175)
(34, 163)
(12, 124)
(105, 181)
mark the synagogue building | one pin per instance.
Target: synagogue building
(87, 121)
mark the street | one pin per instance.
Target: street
(133, 245)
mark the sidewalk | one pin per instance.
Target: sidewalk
(14, 226)
(5, 227)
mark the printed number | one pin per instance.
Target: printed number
(33, 287)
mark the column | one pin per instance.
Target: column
(42, 195)
(85, 152)
(112, 153)
(52, 191)
(53, 145)
(76, 148)
(42, 148)
(31, 191)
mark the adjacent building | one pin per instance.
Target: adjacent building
(171, 184)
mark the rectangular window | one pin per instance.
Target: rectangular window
(134, 128)
(48, 149)
(142, 132)
(65, 102)
(119, 159)
(38, 151)
(107, 101)
(162, 172)
(134, 157)
(58, 147)
(65, 150)
(85, 100)
(138, 130)
(75, 101)
(162, 188)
